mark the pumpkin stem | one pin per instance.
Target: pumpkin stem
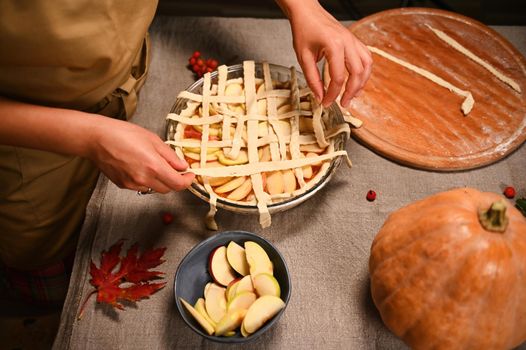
(494, 219)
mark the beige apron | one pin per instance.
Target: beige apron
(83, 55)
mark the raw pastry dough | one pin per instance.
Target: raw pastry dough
(250, 127)
(457, 46)
(468, 103)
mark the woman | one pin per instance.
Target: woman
(66, 67)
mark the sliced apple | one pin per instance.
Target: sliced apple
(207, 286)
(231, 185)
(209, 150)
(230, 321)
(212, 131)
(242, 191)
(234, 89)
(201, 308)
(312, 155)
(245, 285)
(264, 154)
(244, 135)
(314, 148)
(307, 171)
(262, 103)
(266, 284)
(262, 129)
(262, 310)
(230, 292)
(219, 267)
(289, 181)
(241, 301)
(237, 258)
(197, 156)
(305, 105)
(236, 108)
(305, 125)
(242, 158)
(257, 259)
(275, 182)
(198, 317)
(284, 109)
(282, 127)
(260, 86)
(215, 302)
(219, 181)
(244, 333)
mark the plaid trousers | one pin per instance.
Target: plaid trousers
(46, 287)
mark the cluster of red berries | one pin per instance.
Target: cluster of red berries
(200, 66)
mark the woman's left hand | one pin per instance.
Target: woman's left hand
(316, 35)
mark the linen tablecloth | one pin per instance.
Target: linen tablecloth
(325, 241)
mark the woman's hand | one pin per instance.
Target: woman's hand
(137, 159)
(316, 35)
(130, 156)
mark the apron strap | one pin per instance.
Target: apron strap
(122, 102)
(128, 95)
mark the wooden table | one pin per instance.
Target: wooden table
(325, 241)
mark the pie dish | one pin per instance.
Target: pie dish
(256, 139)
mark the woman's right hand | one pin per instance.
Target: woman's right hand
(130, 156)
(137, 159)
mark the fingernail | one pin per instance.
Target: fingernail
(346, 103)
(317, 98)
(326, 103)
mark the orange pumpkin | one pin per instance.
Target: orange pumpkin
(449, 272)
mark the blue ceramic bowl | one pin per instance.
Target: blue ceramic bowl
(192, 275)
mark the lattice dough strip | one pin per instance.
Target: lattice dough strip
(221, 86)
(233, 117)
(294, 145)
(233, 153)
(249, 169)
(190, 109)
(317, 124)
(277, 151)
(199, 98)
(266, 140)
(252, 133)
(210, 216)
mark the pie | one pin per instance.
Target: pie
(254, 139)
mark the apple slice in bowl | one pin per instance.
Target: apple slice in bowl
(219, 267)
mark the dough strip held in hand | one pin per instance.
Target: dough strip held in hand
(249, 169)
(468, 103)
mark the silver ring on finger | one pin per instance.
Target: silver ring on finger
(143, 193)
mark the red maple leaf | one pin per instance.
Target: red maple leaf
(131, 281)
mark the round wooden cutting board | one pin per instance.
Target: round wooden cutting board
(419, 123)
